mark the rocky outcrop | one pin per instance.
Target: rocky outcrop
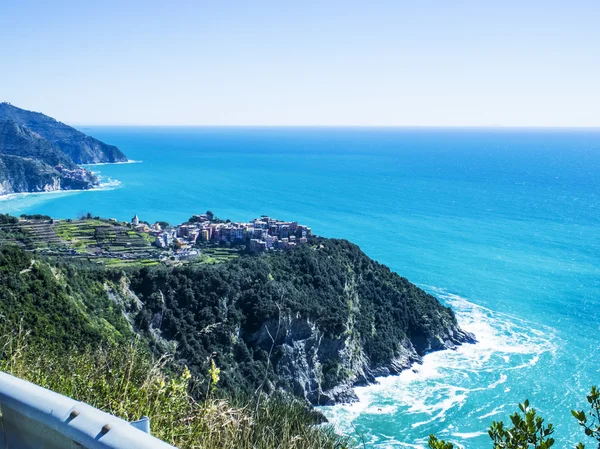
(325, 370)
(79, 147)
(19, 174)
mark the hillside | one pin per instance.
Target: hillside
(17, 140)
(20, 174)
(79, 147)
(317, 319)
(31, 163)
(313, 321)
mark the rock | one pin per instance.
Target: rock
(304, 350)
(18, 174)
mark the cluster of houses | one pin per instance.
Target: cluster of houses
(78, 173)
(260, 234)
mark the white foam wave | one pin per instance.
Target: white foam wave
(111, 163)
(468, 435)
(19, 198)
(109, 184)
(444, 381)
(496, 411)
(501, 380)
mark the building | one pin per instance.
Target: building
(270, 241)
(160, 242)
(135, 220)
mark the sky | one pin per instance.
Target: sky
(306, 63)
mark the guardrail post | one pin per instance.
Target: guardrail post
(143, 424)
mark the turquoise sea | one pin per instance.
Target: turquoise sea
(501, 224)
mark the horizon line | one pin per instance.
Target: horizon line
(150, 125)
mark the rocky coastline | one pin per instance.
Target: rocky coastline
(40, 154)
(305, 350)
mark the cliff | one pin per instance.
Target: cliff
(19, 174)
(79, 147)
(314, 321)
(31, 163)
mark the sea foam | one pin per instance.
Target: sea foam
(444, 383)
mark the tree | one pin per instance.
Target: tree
(590, 422)
(434, 443)
(528, 431)
(210, 215)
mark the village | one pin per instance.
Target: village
(258, 235)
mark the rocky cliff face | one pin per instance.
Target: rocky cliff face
(325, 369)
(79, 147)
(39, 154)
(19, 174)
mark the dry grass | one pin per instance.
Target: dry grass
(128, 383)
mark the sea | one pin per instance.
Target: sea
(502, 225)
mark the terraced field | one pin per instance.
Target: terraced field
(105, 237)
(32, 234)
(91, 238)
(106, 242)
(216, 255)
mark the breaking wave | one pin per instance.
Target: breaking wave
(111, 163)
(463, 382)
(15, 202)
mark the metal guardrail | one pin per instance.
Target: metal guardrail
(36, 418)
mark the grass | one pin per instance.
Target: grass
(128, 383)
(114, 262)
(216, 255)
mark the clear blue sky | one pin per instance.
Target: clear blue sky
(404, 63)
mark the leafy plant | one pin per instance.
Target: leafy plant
(527, 431)
(590, 422)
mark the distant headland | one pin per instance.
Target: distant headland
(41, 154)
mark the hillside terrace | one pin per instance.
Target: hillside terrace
(202, 239)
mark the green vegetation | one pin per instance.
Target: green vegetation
(348, 298)
(212, 255)
(178, 344)
(35, 217)
(60, 303)
(114, 262)
(10, 231)
(95, 234)
(331, 291)
(125, 381)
